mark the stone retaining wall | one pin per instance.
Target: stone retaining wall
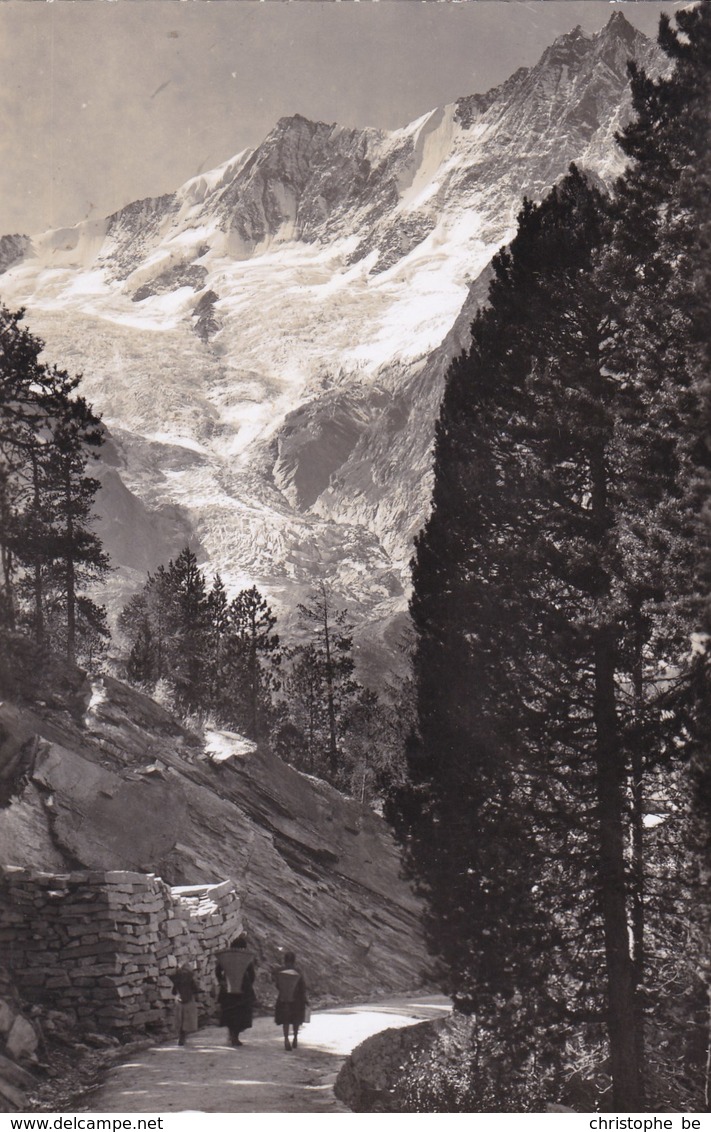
(101, 945)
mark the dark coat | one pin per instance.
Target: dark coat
(185, 989)
(290, 1006)
(236, 1009)
(184, 985)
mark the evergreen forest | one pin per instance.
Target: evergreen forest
(219, 661)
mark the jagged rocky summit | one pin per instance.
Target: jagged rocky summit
(268, 343)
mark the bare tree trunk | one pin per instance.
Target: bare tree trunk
(9, 595)
(312, 729)
(7, 565)
(625, 1038)
(622, 1012)
(38, 583)
(638, 870)
(330, 703)
(70, 573)
(253, 676)
(707, 1081)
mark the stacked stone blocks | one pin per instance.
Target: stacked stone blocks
(102, 945)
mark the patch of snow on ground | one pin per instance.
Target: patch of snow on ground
(223, 745)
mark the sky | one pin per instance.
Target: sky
(107, 101)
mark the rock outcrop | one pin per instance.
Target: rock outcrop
(124, 787)
(373, 1077)
(19, 1040)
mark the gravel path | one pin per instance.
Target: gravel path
(207, 1075)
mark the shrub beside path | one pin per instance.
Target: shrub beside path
(208, 1075)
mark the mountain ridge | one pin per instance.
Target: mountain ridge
(266, 343)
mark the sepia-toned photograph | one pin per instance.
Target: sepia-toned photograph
(355, 557)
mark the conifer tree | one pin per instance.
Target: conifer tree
(483, 691)
(49, 551)
(540, 598)
(330, 654)
(302, 734)
(217, 648)
(371, 747)
(81, 559)
(661, 257)
(658, 256)
(142, 665)
(320, 691)
(144, 622)
(256, 650)
(34, 536)
(30, 400)
(217, 656)
(185, 609)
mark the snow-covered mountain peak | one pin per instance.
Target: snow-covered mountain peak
(198, 188)
(268, 342)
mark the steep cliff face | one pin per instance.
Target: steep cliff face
(268, 343)
(106, 779)
(13, 249)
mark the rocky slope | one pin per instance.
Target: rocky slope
(95, 775)
(18, 1048)
(268, 343)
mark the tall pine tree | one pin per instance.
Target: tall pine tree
(325, 675)
(664, 230)
(50, 554)
(541, 604)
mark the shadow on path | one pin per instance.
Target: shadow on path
(207, 1075)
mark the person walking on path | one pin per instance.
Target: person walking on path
(235, 974)
(186, 990)
(290, 1009)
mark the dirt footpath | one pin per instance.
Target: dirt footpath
(207, 1075)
